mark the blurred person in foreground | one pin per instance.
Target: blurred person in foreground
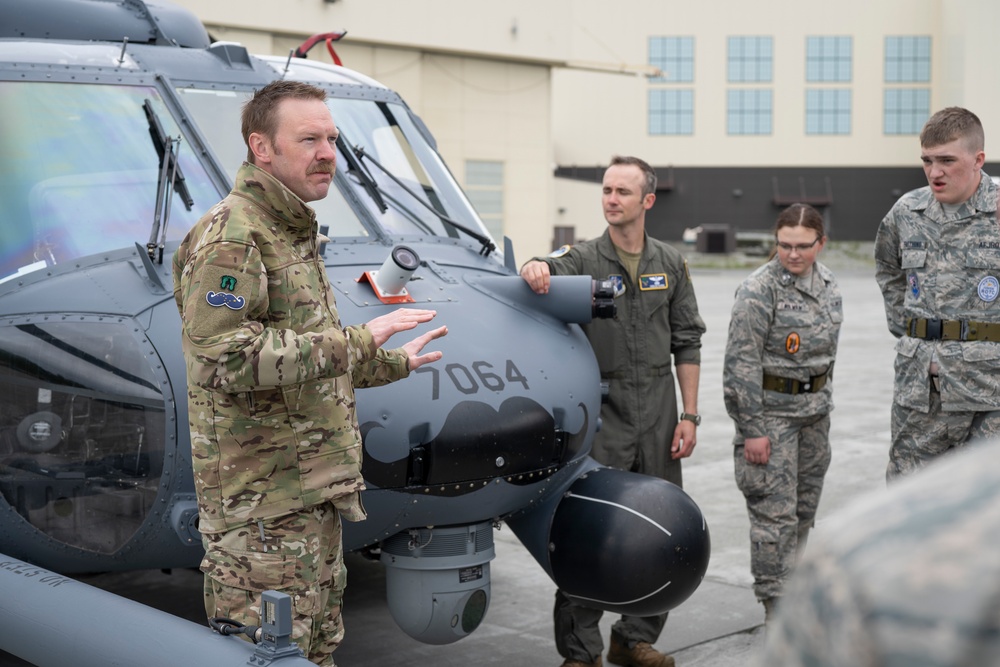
(902, 578)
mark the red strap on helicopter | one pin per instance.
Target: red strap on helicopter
(330, 37)
(333, 54)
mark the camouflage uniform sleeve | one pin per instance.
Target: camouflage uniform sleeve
(686, 325)
(387, 366)
(743, 368)
(889, 274)
(231, 347)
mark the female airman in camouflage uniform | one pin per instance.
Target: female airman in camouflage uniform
(776, 383)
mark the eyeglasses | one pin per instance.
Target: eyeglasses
(799, 247)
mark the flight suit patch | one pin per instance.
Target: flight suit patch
(653, 281)
(619, 284)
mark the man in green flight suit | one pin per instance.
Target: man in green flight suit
(657, 318)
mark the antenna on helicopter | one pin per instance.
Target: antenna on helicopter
(121, 58)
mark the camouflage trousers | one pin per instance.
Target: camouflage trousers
(782, 496)
(299, 554)
(920, 437)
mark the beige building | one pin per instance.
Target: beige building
(742, 107)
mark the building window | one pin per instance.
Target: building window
(907, 59)
(671, 111)
(828, 111)
(828, 59)
(674, 56)
(484, 187)
(748, 111)
(750, 60)
(906, 110)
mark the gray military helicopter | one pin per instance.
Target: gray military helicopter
(119, 128)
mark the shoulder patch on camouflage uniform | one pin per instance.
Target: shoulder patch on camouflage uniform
(231, 301)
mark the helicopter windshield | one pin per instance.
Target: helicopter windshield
(79, 170)
(387, 133)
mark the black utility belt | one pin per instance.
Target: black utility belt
(934, 329)
(793, 386)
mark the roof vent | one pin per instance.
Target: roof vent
(233, 54)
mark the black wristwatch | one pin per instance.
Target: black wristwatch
(696, 418)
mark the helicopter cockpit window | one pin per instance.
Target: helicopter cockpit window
(388, 135)
(417, 187)
(82, 429)
(78, 172)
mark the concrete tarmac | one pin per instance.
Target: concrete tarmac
(721, 624)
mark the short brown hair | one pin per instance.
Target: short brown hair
(649, 174)
(260, 112)
(950, 124)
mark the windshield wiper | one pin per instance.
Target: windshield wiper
(171, 177)
(487, 244)
(362, 174)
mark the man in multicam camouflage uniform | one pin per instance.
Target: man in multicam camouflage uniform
(782, 344)
(905, 577)
(657, 318)
(276, 449)
(937, 258)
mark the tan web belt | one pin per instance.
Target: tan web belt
(792, 386)
(952, 329)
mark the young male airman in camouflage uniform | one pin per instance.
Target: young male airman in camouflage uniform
(780, 353)
(657, 318)
(904, 578)
(937, 257)
(276, 449)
